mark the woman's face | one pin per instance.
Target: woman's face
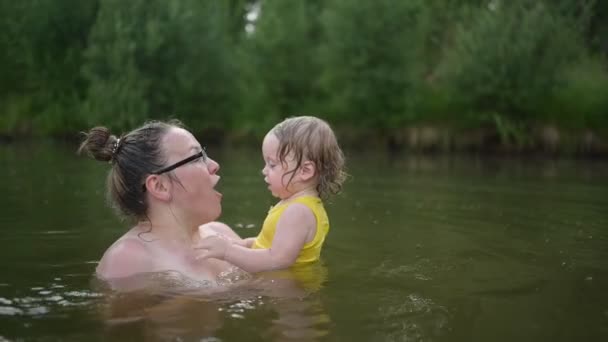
(193, 192)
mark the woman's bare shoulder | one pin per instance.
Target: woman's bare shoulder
(127, 256)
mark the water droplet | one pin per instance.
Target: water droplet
(589, 278)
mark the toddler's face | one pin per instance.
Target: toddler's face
(274, 171)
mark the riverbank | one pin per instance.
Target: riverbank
(542, 140)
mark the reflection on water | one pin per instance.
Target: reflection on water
(174, 306)
(41, 300)
(420, 249)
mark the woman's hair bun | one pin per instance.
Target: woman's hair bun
(99, 143)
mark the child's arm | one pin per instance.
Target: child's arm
(296, 225)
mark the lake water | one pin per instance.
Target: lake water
(420, 249)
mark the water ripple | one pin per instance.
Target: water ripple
(42, 300)
(413, 318)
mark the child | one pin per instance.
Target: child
(303, 165)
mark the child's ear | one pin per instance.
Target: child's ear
(308, 170)
(158, 187)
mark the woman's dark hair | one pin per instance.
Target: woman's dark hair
(133, 156)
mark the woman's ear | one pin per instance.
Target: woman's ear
(158, 187)
(307, 170)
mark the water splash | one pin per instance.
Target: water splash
(414, 318)
(232, 276)
(418, 270)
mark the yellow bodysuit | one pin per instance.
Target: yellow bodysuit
(311, 250)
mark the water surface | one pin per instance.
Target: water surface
(420, 249)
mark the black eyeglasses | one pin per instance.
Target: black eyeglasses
(199, 155)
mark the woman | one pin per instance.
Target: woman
(163, 180)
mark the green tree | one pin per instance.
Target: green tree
(204, 80)
(117, 88)
(153, 59)
(372, 57)
(42, 43)
(505, 60)
(279, 64)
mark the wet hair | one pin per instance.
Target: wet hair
(133, 156)
(310, 138)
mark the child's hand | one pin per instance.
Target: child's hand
(212, 246)
(212, 228)
(206, 232)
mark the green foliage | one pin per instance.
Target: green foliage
(372, 59)
(42, 43)
(159, 58)
(510, 132)
(279, 64)
(117, 87)
(365, 66)
(507, 59)
(580, 100)
(202, 66)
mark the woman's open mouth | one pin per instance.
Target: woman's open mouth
(217, 193)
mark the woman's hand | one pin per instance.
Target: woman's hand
(212, 246)
(245, 242)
